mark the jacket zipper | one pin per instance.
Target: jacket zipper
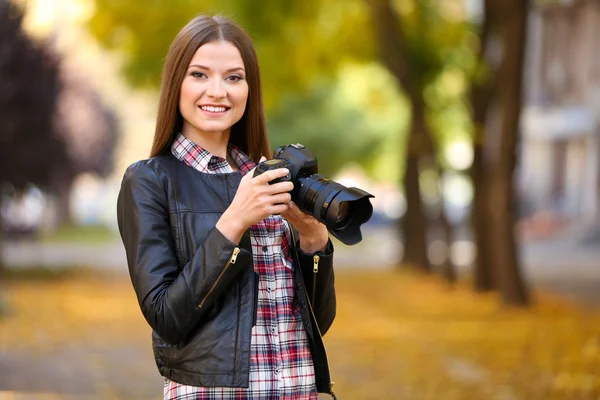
(331, 383)
(232, 260)
(316, 259)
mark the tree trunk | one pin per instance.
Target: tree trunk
(448, 268)
(480, 217)
(1, 244)
(483, 89)
(3, 301)
(391, 40)
(413, 222)
(509, 279)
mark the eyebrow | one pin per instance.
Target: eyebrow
(208, 69)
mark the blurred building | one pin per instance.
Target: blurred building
(559, 170)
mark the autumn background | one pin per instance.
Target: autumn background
(473, 122)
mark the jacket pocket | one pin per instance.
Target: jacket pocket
(255, 308)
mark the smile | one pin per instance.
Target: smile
(213, 109)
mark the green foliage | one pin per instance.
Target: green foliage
(441, 56)
(433, 40)
(295, 40)
(449, 114)
(358, 118)
(335, 134)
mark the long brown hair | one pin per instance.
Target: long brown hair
(249, 133)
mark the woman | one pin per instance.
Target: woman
(221, 261)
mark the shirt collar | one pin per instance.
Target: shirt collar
(196, 157)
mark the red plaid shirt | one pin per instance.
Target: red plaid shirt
(281, 365)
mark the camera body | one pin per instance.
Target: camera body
(295, 157)
(343, 210)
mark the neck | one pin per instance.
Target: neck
(213, 142)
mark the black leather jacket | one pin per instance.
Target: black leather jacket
(198, 290)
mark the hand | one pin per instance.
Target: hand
(255, 200)
(313, 234)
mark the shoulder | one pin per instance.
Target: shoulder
(151, 168)
(152, 175)
(147, 182)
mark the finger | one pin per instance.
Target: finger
(250, 173)
(294, 216)
(272, 174)
(280, 187)
(278, 209)
(281, 198)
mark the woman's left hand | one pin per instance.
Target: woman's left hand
(313, 234)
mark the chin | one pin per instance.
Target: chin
(213, 128)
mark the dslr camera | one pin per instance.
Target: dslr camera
(343, 210)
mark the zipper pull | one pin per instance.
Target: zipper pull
(316, 259)
(236, 251)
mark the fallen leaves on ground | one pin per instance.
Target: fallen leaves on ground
(396, 336)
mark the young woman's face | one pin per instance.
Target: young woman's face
(214, 90)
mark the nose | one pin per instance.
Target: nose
(216, 89)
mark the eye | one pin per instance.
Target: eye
(198, 74)
(234, 78)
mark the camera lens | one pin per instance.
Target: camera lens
(344, 215)
(341, 209)
(343, 212)
(311, 188)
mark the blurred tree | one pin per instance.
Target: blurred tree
(29, 152)
(28, 92)
(413, 41)
(507, 104)
(29, 149)
(496, 98)
(497, 77)
(324, 126)
(51, 127)
(483, 87)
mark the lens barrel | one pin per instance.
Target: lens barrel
(343, 210)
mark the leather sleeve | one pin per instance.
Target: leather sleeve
(322, 284)
(172, 299)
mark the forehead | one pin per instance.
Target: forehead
(218, 54)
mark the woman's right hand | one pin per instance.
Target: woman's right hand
(255, 200)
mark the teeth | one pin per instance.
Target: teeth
(213, 109)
